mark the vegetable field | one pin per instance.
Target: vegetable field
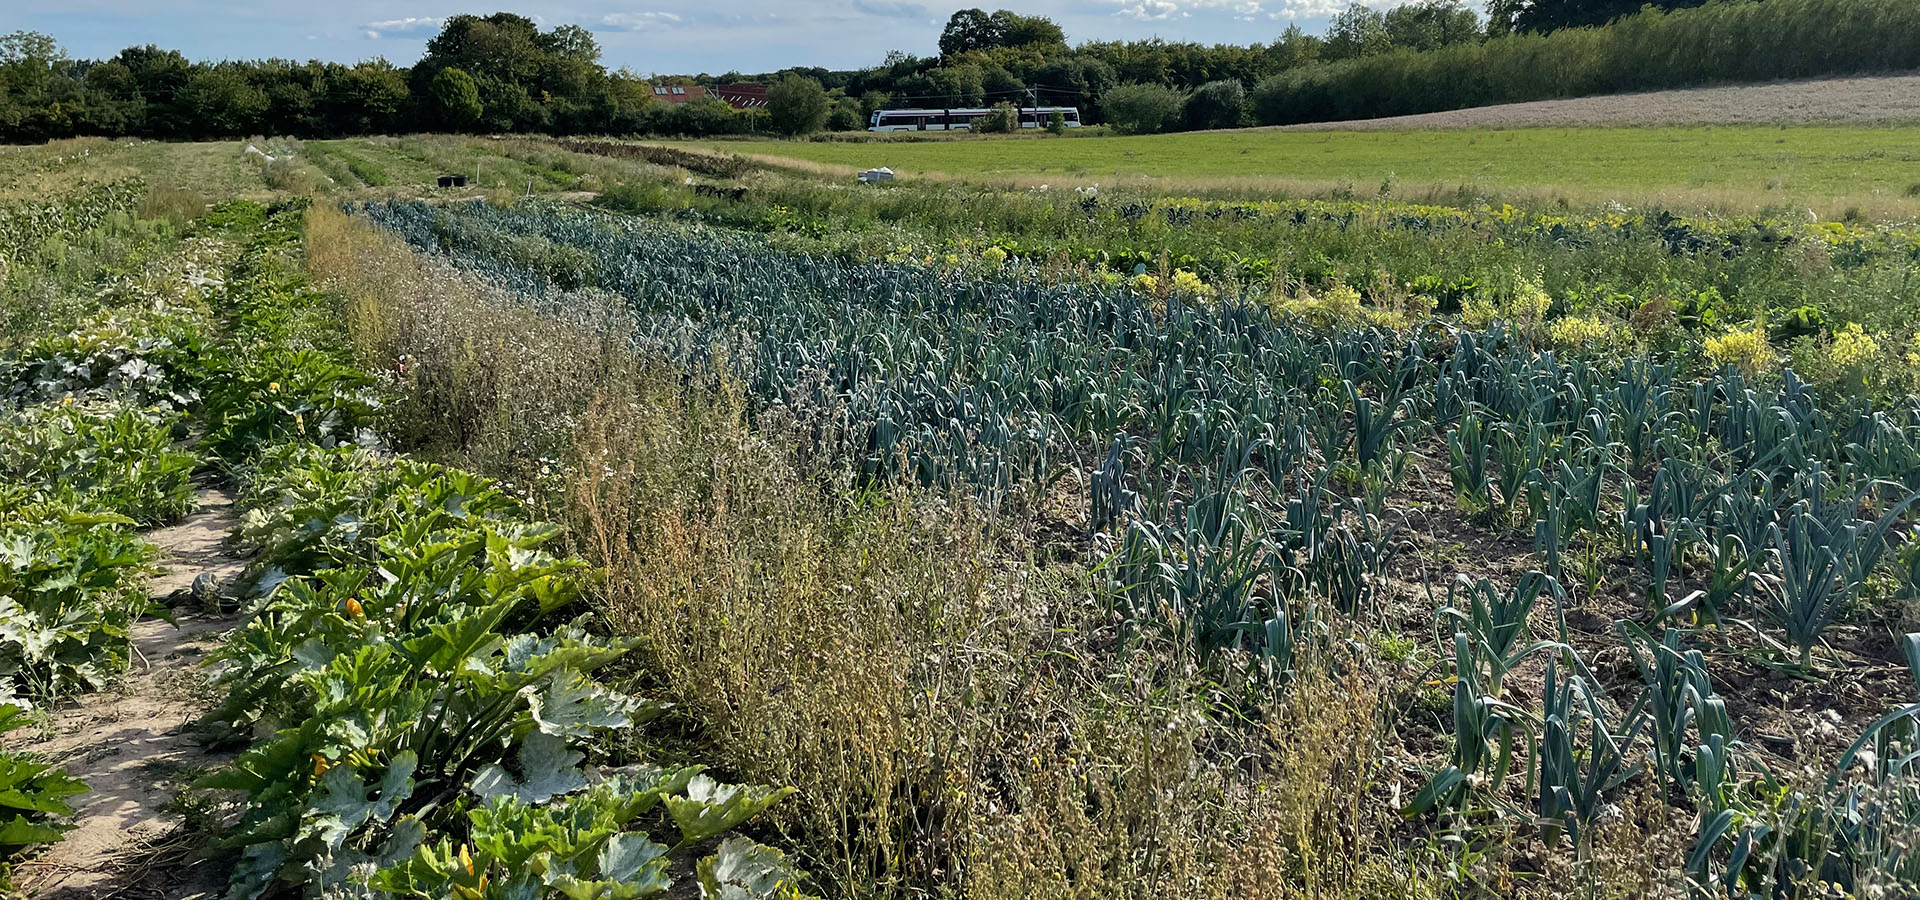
(1244, 480)
(702, 528)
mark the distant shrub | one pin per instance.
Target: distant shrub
(845, 116)
(1002, 120)
(1217, 104)
(1142, 108)
(797, 105)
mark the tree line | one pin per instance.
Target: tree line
(502, 73)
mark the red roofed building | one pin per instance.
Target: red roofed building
(741, 96)
(677, 94)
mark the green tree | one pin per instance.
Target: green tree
(223, 101)
(846, 115)
(1217, 104)
(973, 30)
(945, 86)
(28, 47)
(1142, 108)
(1057, 123)
(1073, 81)
(1359, 31)
(1431, 24)
(1552, 15)
(454, 99)
(968, 29)
(1015, 30)
(527, 80)
(1294, 49)
(367, 98)
(797, 105)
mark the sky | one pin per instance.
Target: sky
(646, 36)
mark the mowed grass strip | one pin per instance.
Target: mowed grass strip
(1750, 165)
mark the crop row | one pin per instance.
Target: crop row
(415, 680)
(91, 417)
(413, 684)
(1242, 462)
(26, 225)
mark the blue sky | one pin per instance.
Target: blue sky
(647, 36)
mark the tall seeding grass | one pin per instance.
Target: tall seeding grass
(1726, 41)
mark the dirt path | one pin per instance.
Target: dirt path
(132, 746)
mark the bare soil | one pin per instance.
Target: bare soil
(1880, 99)
(134, 747)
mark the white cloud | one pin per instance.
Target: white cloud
(1314, 9)
(412, 26)
(1243, 10)
(638, 21)
(1152, 10)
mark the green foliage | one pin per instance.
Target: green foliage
(311, 508)
(409, 708)
(369, 172)
(33, 795)
(289, 394)
(100, 456)
(1718, 42)
(1216, 104)
(1004, 119)
(1142, 108)
(1495, 623)
(1583, 755)
(846, 116)
(144, 356)
(72, 583)
(456, 99)
(797, 105)
(1432, 24)
(975, 30)
(29, 225)
(583, 846)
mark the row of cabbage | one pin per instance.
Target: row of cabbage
(1243, 465)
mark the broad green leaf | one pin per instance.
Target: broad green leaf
(547, 769)
(344, 806)
(20, 831)
(626, 855)
(574, 705)
(711, 808)
(744, 869)
(256, 871)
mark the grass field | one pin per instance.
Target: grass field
(1742, 166)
